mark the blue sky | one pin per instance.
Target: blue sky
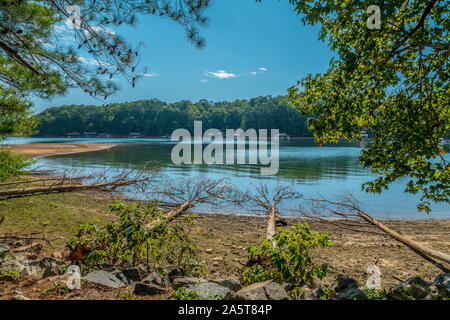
(252, 49)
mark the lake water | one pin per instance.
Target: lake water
(309, 169)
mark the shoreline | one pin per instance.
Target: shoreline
(226, 237)
(141, 137)
(55, 149)
(40, 150)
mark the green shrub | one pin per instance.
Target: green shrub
(291, 260)
(129, 242)
(11, 165)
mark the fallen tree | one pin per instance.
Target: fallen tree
(266, 201)
(66, 183)
(352, 217)
(183, 194)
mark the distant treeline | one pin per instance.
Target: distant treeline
(157, 118)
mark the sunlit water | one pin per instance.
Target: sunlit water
(326, 171)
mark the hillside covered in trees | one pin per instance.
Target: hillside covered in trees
(157, 118)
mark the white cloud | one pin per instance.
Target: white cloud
(203, 80)
(89, 61)
(263, 69)
(254, 73)
(220, 74)
(101, 30)
(153, 74)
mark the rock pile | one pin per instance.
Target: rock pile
(27, 264)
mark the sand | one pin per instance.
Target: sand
(49, 149)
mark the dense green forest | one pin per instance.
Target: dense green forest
(157, 118)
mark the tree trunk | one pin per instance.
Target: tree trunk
(21, 192)
(271, 225)
(405, 240)
(172, 214)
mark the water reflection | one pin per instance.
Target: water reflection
(309, 169)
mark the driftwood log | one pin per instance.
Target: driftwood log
(352, 217)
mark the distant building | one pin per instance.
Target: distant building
(104, 135)
(134, 135)
(73, 135)
(90, 134)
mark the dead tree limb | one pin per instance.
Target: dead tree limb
(102, 181)
(20, 182)
(184, 194)
(27, 237)
(348, 211)
(267, 201)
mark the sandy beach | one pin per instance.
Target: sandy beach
(49, 149)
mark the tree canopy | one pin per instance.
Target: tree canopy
(392, 82)
(156, 118)
(34, 59)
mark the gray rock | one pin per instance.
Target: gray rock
(313, 294)
(414, 288)
(147, 289)
(122, 277)
(348, 288)
(4, 250)
(19, 297)
(13, 265)
(211, 291)
(104, 278)
(275, 291)
(156, 278)
(175, 273)
(185, 281)
(132, 273)
(45, 267)
(266, 290)
(230, 283)
(254, 291)
(442, 282)
(20, 257)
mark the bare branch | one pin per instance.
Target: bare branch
(351, 215)
(267, 200)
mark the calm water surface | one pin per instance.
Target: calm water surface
(310, 170)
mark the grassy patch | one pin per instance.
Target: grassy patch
(57, 215)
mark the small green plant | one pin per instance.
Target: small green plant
(423, 270)
(125, 295)
(376, 294)
(43, 292)
(185, 294)
(326, 288)
(131, 242)
(290, 260)
(7, 275)
(55, 289)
